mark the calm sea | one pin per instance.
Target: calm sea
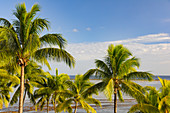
(155, 77)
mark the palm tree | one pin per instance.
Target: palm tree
(117, 69)
(155, 101)
(21, 42)
(59, 84)
(77, 93)
(50, 88)
(32, 73)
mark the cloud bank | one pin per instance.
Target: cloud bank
(152, 49)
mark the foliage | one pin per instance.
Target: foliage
(117, 69)
(158, 100)
(21, 42)
(78, 93)
(49, 88)
(7, 82)
(32, 73)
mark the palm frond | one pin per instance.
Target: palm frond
(139, 75)
(38, 25)
(145, 108)
(109, 89)
(64, 105)
(101, 65)
(94, 89)
(120, 95)
(54, 54)
(93, 101)
(72, 87)
(6, 23)
(53, 39)
(30, 15)
(87, 107)
(15, 96)
(89, 73)
(127, 66)
(133, 92)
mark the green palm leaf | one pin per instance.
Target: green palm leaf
(54, 54)
(53, 39)
(145, 108)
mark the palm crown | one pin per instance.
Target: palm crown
(23, 42)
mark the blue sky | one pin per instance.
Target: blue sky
(94, 23)
(99, 20)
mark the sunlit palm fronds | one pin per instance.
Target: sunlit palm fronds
(20, 42)
(117, 69)
(80, 93)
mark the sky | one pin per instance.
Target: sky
(143, 26)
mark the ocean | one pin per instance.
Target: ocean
(155, 77)
(107, 106)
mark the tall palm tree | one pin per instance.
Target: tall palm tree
(77, 93)
(50, 88)
(21, 41)
(155, 101)
(117, 69)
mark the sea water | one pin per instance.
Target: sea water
(107, 106)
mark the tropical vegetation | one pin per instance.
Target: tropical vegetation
(32, 73)
(20, 42)
(154, 101)
(23, 50)
(49, 89)
(78, 95)
(117, 69)
(7, 82)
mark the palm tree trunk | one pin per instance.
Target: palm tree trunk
(24, 98)
(75, 107)
(47, 106)
(21, 90)
(55, 106)
(115, 100)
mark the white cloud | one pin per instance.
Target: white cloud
(88, 29)
(152, 49)
(75, 30)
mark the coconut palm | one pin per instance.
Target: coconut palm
(21, 41)
(117, 69)
(155, 101)
(77, 94)
(32, 73)
(49, 90)
(59, 85)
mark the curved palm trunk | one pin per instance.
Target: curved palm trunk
(115, 100)
(21, 90)
(75, 107)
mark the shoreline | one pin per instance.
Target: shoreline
(104, 102)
